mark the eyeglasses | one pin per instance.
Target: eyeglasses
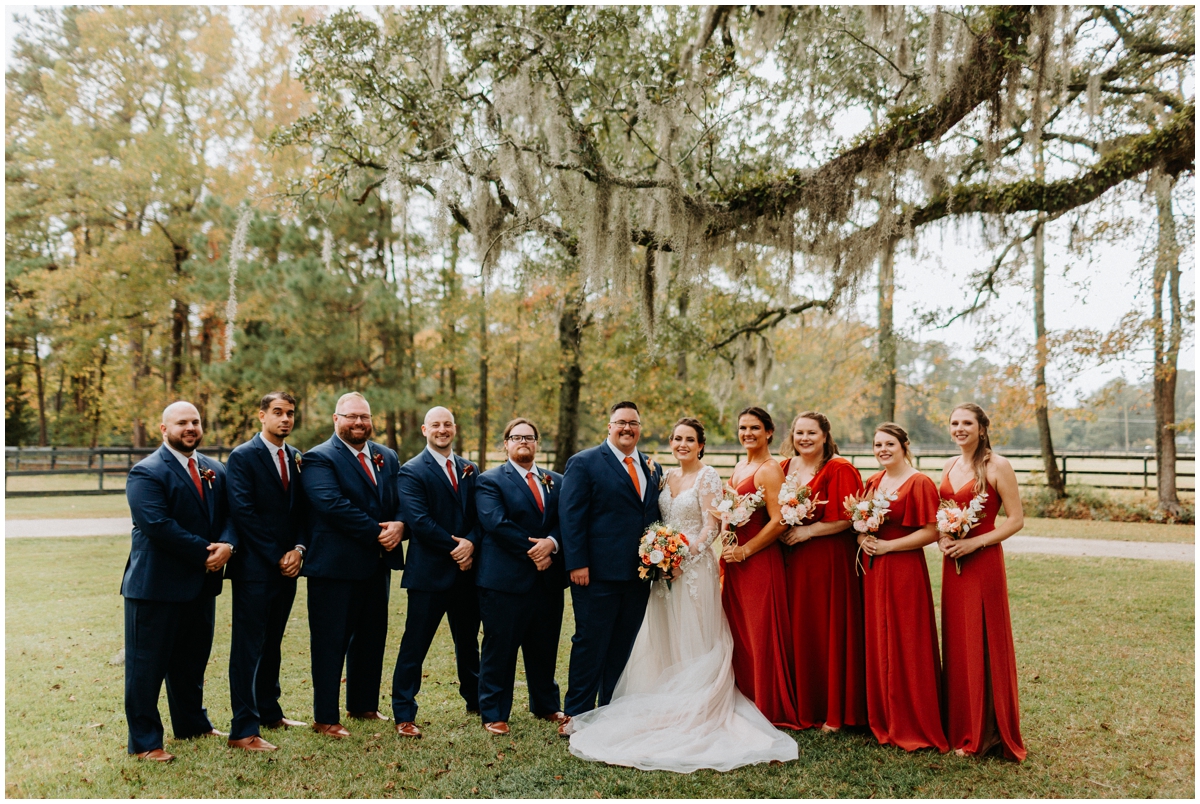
(622, 423)
(353, 417)
(527, 439)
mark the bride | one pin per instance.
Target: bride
(675, 707)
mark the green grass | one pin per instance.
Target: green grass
(1116, 531)
(1106, 661)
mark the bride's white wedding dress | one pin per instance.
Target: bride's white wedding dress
(675, 707)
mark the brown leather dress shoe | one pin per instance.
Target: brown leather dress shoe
(252, 743)
(285, 723)
(557, 717)
(408, 729)
(563, 726)
(155, 755)
(331, 730)
(499, 728)
(367, 716)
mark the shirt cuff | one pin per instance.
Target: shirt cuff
(555, 550)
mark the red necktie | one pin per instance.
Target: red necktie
(195, 477)
(633, 476)
(450, 469)
(533, 487)
(283, 470)
(362, 460)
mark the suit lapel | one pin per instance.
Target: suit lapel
(351, 460)
(210, 494)
(265, 455)
(461, 463)
(438, 469)
(610, 459)
(650, 481)
(523, 489)
(176, 467)
(293, 473)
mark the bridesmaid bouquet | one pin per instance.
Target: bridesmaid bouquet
(734, 510)
(867, 514)
(796, 502)
(661, 551)
(956, 521)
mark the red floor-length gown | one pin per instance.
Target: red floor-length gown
(754, 597)
(825, 606)
(903, 668)
(979, 680)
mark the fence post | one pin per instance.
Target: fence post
(53, 457)
(1145, 474)
(101, 457)
(1064, 470)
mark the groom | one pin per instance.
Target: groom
(609, 497)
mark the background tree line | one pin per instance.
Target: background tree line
(533, 210)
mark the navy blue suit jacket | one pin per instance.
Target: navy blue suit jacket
(432, 513)
(172, 529)
(600, 515)
(345, 509)
(508, 518)
(269, 521)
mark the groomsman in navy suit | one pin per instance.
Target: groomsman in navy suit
(521, 580)
(181, 543)
(437, 493)
(609, 499)
(350, 484)
(266, 506)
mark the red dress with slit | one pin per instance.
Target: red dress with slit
(754, 597)
(825, 607)
(979, 680)
(903, 667)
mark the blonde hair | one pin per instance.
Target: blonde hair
(350, 395)
(983, 450)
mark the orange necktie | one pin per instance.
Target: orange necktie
(633, 476)
(533, 487)
(363, 462)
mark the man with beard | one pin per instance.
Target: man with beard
(266, 506)
(181, 543)
(350, 483)
(437, 491)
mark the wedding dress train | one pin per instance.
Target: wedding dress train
(676, 707)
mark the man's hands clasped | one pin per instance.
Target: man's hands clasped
(464, 553)
(391, 534)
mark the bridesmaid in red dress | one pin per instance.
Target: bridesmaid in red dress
(754, 593)
(824, 592)
(903, 670)
(979, 683)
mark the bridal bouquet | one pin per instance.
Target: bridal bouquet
(796, 502)
(956, 521)
(661, 551)
(735, 510)
(868, 513)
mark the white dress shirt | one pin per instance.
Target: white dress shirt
(274, 450)
(365, 452)
(537, 484)
(637, 465)
(183, 459)
(441, 461)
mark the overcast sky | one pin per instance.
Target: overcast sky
(1094, 295)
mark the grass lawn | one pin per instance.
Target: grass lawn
(1116, 531)
(1106, 661)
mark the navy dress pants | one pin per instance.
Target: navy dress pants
(166, 642)
(460, 605)
(348, 626)
(260, 616)
(530, 621)
(608, 615)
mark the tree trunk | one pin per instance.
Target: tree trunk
(570, 343)
(1041, 400)
(43, 440)
(390, 425)
(137, 355)
(178, 333)
(483, 375)
(887, 332)
(1166, 344)
(98, 409)
(681, 361)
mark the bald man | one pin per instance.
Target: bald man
(437, 497)
(181, 542)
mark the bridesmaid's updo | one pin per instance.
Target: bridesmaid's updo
(688, 421)
(767, 422)
(900, 434)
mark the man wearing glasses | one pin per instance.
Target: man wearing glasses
(350, 483)
(609, 498)
(521, 580)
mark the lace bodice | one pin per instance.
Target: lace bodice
(688, 513)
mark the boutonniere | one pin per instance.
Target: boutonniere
(468, 470)
(377, 459)
(299, 461)
(546, 481)
(654, 467)
(209, 475)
